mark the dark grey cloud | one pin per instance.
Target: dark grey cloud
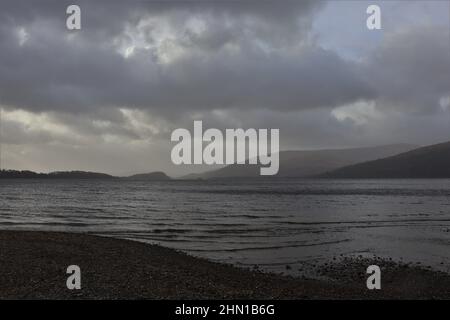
(51, 71)
(411, 70)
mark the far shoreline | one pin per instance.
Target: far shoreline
(34, 264)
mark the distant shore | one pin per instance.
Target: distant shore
(80, 175)
(34, 266)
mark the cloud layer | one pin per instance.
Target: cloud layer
(137, 70)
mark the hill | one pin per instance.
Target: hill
(310, 162)
(153, 176)
(26, 174)
(426, 162)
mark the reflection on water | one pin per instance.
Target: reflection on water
(246, 222)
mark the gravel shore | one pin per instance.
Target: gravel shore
(33, 266)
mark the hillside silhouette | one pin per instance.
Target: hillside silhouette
(426, 162)
(308, 163)
(154, 176)
(26, 174)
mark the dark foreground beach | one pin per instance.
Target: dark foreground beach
(33, 266)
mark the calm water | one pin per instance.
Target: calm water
(273, 224)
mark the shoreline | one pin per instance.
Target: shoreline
(34, 264)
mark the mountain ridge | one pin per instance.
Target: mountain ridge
(431, 161)
(384, 162)
(308, 163)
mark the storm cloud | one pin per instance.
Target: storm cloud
(173, 58)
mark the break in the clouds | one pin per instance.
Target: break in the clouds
(106, 97)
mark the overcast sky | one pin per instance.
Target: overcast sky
(106, 98)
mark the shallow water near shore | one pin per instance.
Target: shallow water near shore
(270, 223)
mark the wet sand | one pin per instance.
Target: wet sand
(33, 266)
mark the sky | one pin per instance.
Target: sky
(107, 97)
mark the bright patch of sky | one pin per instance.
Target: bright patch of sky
(341, 25)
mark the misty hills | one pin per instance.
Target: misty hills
(426, 162)
(15, 174)
(309, 163)
(383, 162)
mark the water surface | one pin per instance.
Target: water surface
(294, 222)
